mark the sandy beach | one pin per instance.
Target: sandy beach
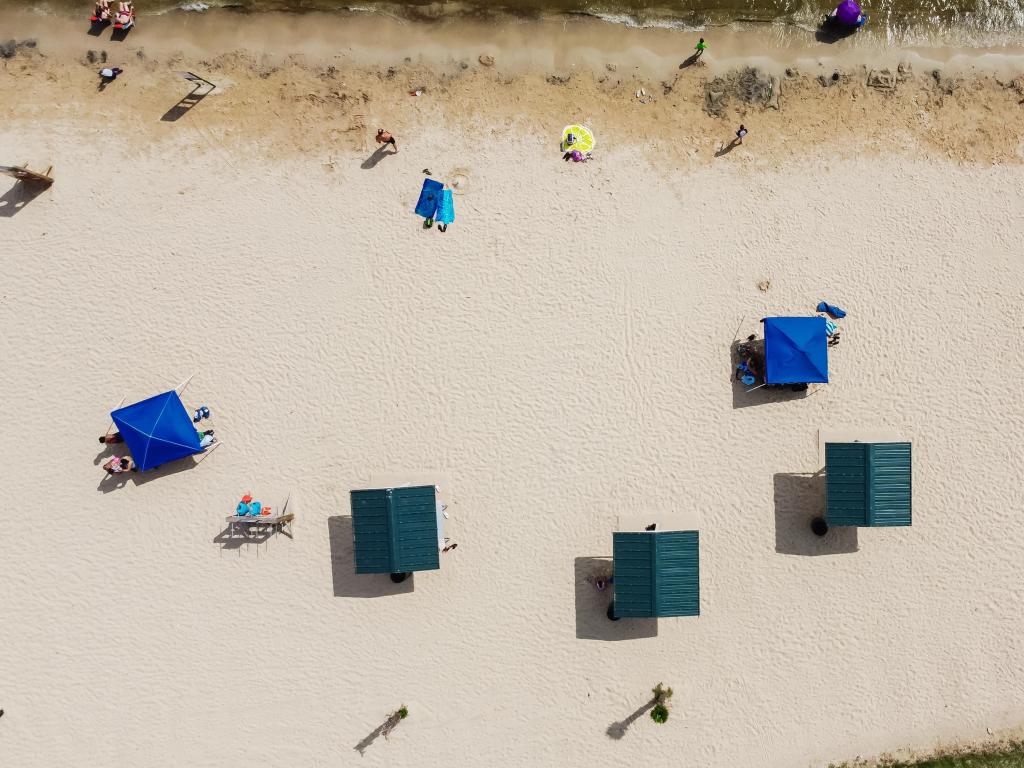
(559, 358)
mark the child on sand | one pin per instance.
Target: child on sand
(119, 464)
(383, 137)
(699, 48)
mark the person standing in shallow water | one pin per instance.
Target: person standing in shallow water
(383, 137)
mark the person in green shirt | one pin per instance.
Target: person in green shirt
(700, 48)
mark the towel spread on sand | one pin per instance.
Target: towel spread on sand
(831, 309)
(446, 209)
(430, 198)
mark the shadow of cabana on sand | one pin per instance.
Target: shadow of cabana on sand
(347, 583)
(800, 499)
(863, 485)
(592, 605)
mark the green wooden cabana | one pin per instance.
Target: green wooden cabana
(395, 529)
(867, 484)
(657, 573)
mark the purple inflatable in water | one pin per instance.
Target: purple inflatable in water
(848, 13)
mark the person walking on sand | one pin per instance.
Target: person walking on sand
(740, 134)
(384, 138)
(699, 48)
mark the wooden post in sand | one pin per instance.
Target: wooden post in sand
(180, 389)
(22, 173)
(112, 424)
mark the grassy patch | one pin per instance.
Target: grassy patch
(1003, 755)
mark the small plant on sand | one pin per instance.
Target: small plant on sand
(394, 719)
(659, 712)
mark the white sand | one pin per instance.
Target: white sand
(559, 357)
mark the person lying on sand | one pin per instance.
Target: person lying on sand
(206, 438)
(109, 74)
(102, 11)
(125, 11)
(111, 438)
(119, 464)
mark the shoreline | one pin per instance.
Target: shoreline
(548, 43)
(794, 22)
(633, 87)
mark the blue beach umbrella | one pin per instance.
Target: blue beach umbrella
(157, 430)
(795, 350)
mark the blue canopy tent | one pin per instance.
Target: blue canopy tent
(795, 350)
(157, 430)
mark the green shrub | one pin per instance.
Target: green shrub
(660, 713)
(403, 712)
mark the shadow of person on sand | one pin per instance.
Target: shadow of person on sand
(618, 730)
(692, 59)
(725, 149)
(378, 154)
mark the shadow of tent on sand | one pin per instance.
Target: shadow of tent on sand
(746, 395)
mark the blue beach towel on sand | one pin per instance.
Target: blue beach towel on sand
(446, 211)
(831, 309)
(430, 198)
